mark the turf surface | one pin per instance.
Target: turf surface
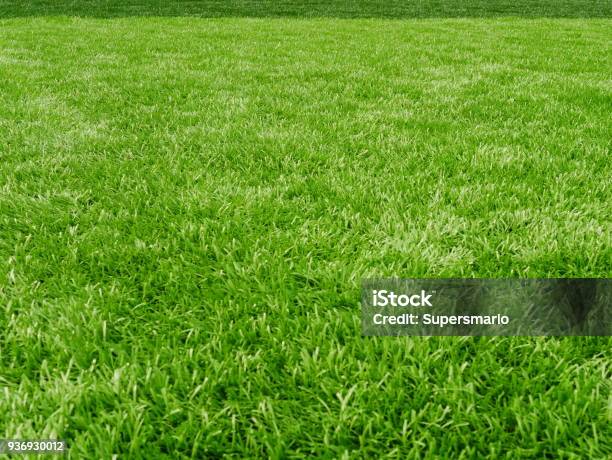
(188, 206)
(310, 8)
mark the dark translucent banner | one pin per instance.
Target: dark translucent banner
(486, 307)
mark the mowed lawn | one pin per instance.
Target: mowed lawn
(188, 207)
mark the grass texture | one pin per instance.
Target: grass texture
(188, 206)
(310, 8)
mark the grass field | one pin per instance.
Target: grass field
(188, 206)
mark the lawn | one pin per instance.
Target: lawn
(189, 203)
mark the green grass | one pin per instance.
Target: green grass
(188, 206)
(311, 8)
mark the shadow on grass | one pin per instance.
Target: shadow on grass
(309, 8)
